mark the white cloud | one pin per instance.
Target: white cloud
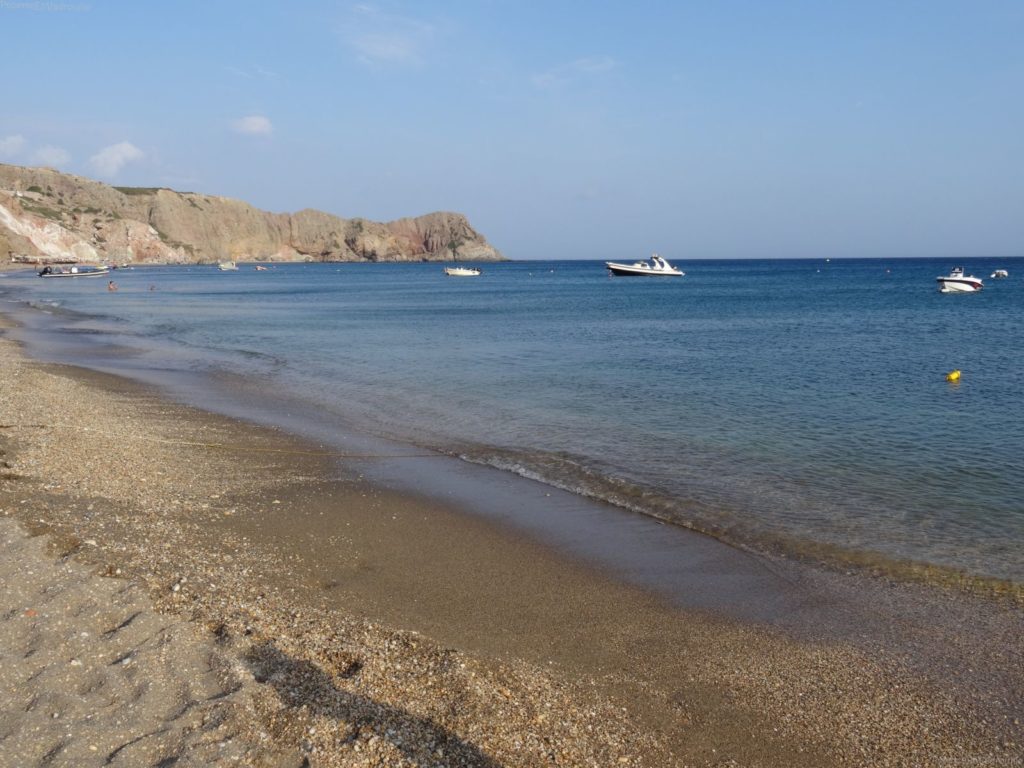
(50, 155)
(110, 160)
(386, 47)
(253, 125)
(547, 80)
(567, 73)
(11, 145)
(592, 64)
(383, 38)
(267, 74)
(255, 71)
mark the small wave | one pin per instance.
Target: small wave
(571, 474)
(275, 361)
(44, 304)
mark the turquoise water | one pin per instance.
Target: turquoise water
(802, 401)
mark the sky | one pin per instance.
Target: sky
(562, 129)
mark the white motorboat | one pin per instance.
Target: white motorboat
(656, 267)
(227, 266)
(999, 274)
(957, 282)
(79, 270)
(462, 271)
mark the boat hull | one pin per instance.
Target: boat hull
(98, 272)
(958, 285)
(628, 270)
(462, 272)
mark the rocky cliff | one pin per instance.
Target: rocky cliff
(47, 215)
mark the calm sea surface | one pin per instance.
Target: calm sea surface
(801, 402)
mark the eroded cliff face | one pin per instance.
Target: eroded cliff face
(45, 215)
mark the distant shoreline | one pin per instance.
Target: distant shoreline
(52, 214)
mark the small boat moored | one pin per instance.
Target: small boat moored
(657, 267)
(462, 271)
(78, 270)
(999, 274)
(227, 266)
(957, 282)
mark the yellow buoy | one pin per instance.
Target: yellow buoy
(953, 375)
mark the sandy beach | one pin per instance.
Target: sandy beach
(181, 588)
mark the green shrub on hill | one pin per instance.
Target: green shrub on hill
(139, 190)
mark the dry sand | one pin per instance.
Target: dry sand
(264, 612)
(93, 675)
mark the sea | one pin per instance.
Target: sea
(794, 405)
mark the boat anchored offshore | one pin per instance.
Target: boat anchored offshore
(79, 270)
(227, 266)
(455, 270)
(957, 282)
(999, 274)
(657, 267)
(462, 271)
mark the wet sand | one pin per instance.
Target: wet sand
(371, 627)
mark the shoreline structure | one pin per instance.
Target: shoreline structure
(253, 551)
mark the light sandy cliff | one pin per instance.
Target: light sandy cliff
(48, 215)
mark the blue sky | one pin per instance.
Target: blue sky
(562, 129)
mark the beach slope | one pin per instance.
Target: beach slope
(181, 586)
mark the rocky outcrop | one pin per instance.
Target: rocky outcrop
(48, 215)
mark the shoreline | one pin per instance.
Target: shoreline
(237, 396)
(290, 573)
